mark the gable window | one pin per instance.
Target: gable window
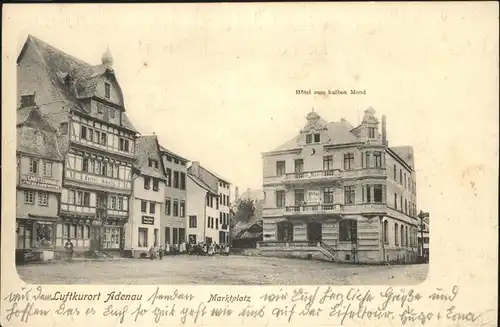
(349, 161)
(167, 206)
(280, 199)
(107, 90)
(316, 138)
(280, 168)
(349, 194)
(147, 182)
(192, 222)
(309, 138)
(33, 166)
(327, 162)
(153, 163)
(156, 184)
(371, 132)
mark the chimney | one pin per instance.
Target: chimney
(384, 131)
(236, 193)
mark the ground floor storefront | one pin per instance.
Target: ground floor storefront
(350, 238)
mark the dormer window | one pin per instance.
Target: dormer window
(153, 163)
(27, 100)
(371, 132)
(316, 138)
(309, 138)
(107, 90)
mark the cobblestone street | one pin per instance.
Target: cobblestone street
(232, 270)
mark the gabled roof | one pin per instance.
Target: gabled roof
(173, 154)
(147, 147)
(35, 136)
(338, 132)
(252, 229)
(58, 65)
(202, 184)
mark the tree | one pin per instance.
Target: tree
(245, 210)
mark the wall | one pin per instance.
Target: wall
(22, 209)
(115, 92)
(135, 217)
(212, 232)
(196, 198)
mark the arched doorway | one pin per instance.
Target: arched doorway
(285, 231)
(314, 231)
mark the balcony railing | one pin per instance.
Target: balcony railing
(287, 244)
(313, 175)
(313, 209)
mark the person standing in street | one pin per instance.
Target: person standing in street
(69, 247)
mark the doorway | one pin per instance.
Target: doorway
(95, 238)
(314, 231)
(285, 231)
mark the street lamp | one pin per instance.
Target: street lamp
(422, 215)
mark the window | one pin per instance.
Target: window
(406, 236)
(216, 224)
(176, 235)
(33, 166)
(176, 161)
(348, 161)
(378, 193)
(176, 179)
(183, 181)
(348, 230)
(168, 182)
(401, 203)
(183, 209)
(208, 222)
(299, 165)
(144, 206)
(327, 162)
(402, 235)
(90, 134)
(396, 234)
(103, 168)
(147, 183)
(156, 184)
(395, 201)
(167, 235)
(316, 138)
(328, 195)
(349, 194)
(79, 198)
(371, 132)
(217, 200)
(152, 207)
(280, 199)
(47, 169)
(386, 232)
(299, 197)
(112, 112)
(406, 206)
(143, 238)
(124, 144)
(368, 193)
(119, 204)
(208, 200)
(176, 208)
(27, 100)
(71, 197)
(112, 202)
(400, 176)
(107, 90)
(153, 163)
(280, 168)
(169, 158)
(395, 172)
(83, 132)
(192, 221)
(309, 138)
(104, 138)
(86, 199)
(405, 180)
(97, 168)
(167, 206)
(29, 197)
(377, 155)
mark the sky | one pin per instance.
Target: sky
(217, 82)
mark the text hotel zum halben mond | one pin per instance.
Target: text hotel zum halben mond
(405, 305)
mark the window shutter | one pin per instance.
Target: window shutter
(92, 199)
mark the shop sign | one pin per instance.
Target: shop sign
(147, 220)
(40, 182)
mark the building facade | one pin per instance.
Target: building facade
(341, 193)
(85, 104)
(175, 198)
(201, 212)
(149, 182)
(423, 237)
(39, 184)
(216, 193)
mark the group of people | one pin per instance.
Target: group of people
(200, 248)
